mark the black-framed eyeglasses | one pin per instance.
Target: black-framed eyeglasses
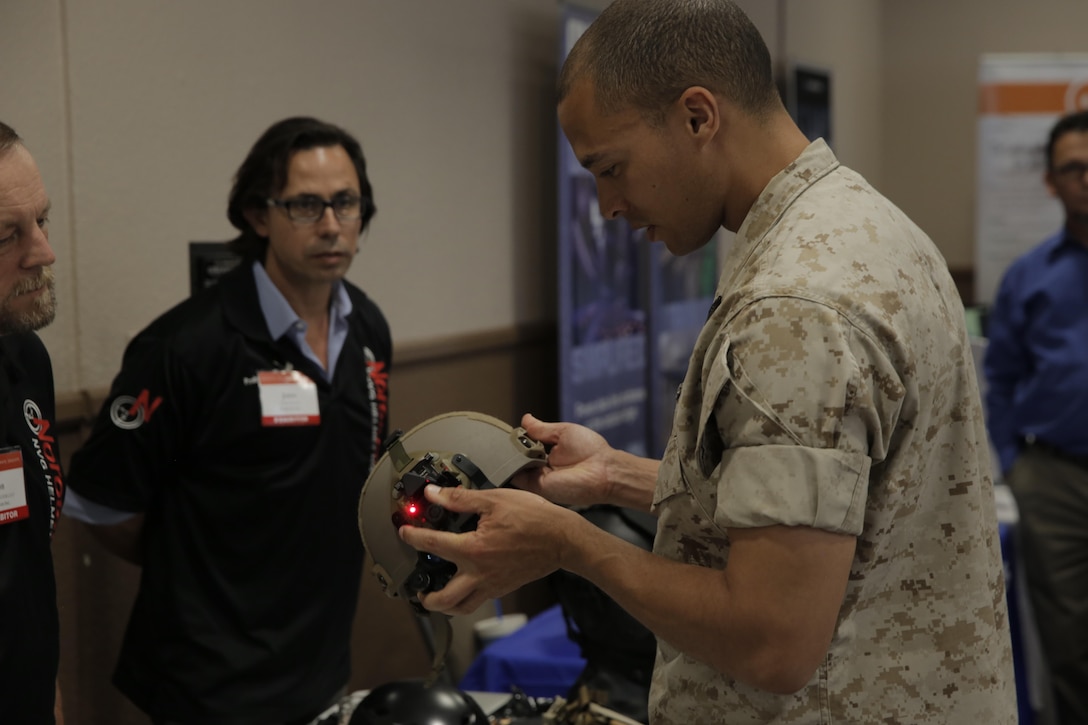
(308, 209)
(1071, 170)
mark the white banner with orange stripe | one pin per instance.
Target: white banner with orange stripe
(1020, 97)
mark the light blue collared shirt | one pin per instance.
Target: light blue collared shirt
(282, 320)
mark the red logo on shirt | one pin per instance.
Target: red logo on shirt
(130, 413)
(45, 448)
(378, 378)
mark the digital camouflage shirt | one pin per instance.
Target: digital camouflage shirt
(833, 387)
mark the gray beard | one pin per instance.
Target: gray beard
(43, 312)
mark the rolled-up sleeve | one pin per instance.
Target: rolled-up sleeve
(803, 404)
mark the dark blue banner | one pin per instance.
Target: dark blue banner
(629, 311)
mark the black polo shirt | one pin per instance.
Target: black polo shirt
(29, 644)
(251, 548)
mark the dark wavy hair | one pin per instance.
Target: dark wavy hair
(1073, 122)
(263, 175)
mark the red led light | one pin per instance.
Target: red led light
(413, 509)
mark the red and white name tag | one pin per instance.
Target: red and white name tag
(287, 398)
(12, 487)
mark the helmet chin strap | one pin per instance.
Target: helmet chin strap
(442, 633)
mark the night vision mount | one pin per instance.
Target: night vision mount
(455, 449)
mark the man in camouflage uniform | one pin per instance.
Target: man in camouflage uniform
(827, 545)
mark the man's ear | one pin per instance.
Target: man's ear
(702, 113)
(258, 219)
(1048, 179)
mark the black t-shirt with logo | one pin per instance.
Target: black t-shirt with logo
(29, 628)
(251, 549)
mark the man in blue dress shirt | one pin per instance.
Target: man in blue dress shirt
(1037, 368)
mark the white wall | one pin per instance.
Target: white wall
(139, 112)
(841, 36)
(451, 100)
(931, 52)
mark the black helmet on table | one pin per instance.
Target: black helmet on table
(413, 702)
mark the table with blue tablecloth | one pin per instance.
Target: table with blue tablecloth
(539, 659)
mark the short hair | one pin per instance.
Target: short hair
(1073, 122)
(8, 137)
(263, 175)
(646, 53)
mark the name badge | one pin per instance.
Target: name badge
(12, 487)
(288, 398)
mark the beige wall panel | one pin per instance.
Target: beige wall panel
(452, 102)
(931, 59)
(842, 36)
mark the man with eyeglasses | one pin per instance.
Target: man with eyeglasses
(229, 457)
(1036, 367)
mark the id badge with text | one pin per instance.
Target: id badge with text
(288, 398)
(13, 506)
